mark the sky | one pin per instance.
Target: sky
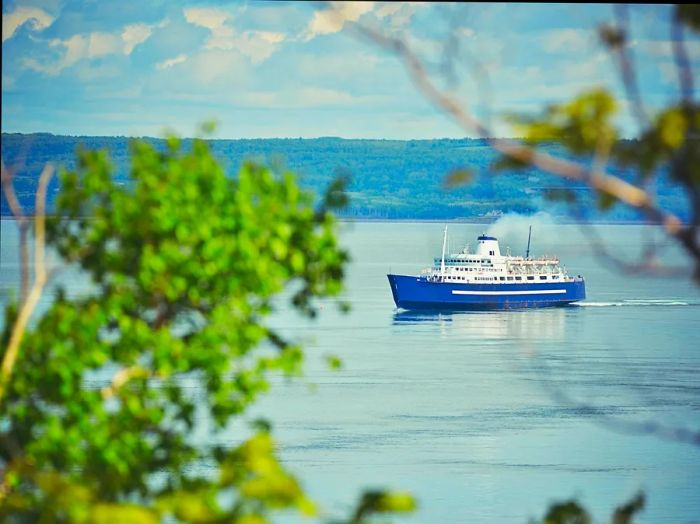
(298, 69)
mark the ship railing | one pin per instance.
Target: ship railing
(535, 261)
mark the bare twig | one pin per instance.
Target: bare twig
(637, 427)
(479, 74)
(40, 278)
(23, 224)
(680, 53)
(626, 65)
(121, 378)
(648, 264)
(601, 181)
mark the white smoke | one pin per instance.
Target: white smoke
(511, 230)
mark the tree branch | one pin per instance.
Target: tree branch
(626, 65)
(601, 181)
(122, 377)
(23, 226)
(680, 53)
(636, 427)
(40, 278)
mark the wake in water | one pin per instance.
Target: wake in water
(637, 302)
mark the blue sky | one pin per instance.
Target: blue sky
(276, 69)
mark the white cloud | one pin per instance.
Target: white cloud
(91, 45)
(133, 35)
(665, 48)
(328, 21)
(38, 20)
(388, 9)
(333, 19)
(214, 20)
(568, 40)
(309, 97)
(75, 48)
(217, 69)
(256, 45)
(170, 62)
(209, 17)
(399, 14)
(100, 44)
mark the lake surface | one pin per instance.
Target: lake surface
(491, 416)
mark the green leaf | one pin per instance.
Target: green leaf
(570, 512)
(612, 36)
(689, 14)
(334, 362)
(625, 513)
(606, 200)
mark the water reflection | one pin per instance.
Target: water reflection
(549, 324)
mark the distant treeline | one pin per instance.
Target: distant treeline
(389, 178)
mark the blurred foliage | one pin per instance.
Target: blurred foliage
(571, 512)
(381, 502)
(458, 177)
(689, 14)
(99, 416)
(584, 127)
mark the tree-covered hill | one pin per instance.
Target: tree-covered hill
(389, 178)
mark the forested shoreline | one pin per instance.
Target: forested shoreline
(389, 179)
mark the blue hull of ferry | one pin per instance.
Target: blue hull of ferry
(411, 292)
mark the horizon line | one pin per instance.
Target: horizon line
(47, 133)
(321, 137)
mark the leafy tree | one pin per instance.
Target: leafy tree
(97, 411)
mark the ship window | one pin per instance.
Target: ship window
(555, 276)
(502, 278)
(510, 278)
(531, 278)
(543, 277)
(518, 278)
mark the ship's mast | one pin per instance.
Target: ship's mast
(444, 245)
(529, 234)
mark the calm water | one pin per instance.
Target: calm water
(465, 409)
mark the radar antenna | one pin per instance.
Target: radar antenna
(444, 244)
(529, 234)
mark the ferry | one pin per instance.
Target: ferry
(486, 279)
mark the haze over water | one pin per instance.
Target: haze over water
(462, 408)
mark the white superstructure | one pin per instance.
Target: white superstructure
(488, 266)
